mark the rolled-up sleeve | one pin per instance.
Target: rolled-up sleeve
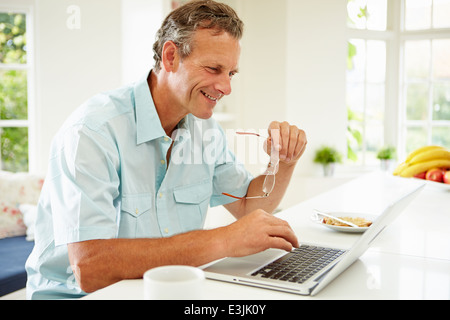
(230, 175)
(85, 183)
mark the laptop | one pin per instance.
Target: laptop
(308, 269)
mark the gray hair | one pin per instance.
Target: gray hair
(181, 24)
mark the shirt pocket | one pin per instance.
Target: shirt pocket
(192, 204)
(135, 212)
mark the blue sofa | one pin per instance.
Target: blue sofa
(19, 194)
(13, 254)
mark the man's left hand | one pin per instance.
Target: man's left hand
(288, 141)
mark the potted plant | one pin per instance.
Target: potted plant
(386, 155)
(328, 157)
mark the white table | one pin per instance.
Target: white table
(410, 260)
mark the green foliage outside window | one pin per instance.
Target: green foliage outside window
(13, 92)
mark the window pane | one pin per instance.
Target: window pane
(377, 14)
(441, 101)
(418, 14)
(14, 149)
(374, 140)
(357, 13)
(375, 102)
(417, 59)
(354, 140)
(376, 61)
(416, 137)
(355, 97)
(441, 59)
(357, 68)
(441, 136)
(367, 14)
(13, 38)
(13, 95)
(441, 14)
(417, 101)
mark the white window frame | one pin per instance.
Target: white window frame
(30, 123)
(407, 35)
(390, 38)
(395, 122)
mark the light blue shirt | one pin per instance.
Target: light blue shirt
(108, 178)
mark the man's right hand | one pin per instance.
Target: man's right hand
(259, 231)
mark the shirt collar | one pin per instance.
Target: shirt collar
(148, 123)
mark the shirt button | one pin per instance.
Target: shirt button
(166, 139)
(160, 195)
(166, 231)
(137, 211)
(163, 162)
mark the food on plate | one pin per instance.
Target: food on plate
(360, 222)
(425, 163)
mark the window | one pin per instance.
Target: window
(426, 75)
(14, 91)
(366, 79)
(398, 77)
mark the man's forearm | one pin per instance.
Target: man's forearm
(99, 263)
(283, 177)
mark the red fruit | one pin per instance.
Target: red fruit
(447, 177)
(421, 175)
(435, 174)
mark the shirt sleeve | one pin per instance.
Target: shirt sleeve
(84, 183)
(230, 176)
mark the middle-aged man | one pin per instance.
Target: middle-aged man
(126, 190)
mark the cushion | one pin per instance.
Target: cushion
(16, 189)
(29, 212)
(13, 254)
(11, 221)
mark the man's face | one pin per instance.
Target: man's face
(204, 77)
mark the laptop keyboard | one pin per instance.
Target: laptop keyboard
(300, 264)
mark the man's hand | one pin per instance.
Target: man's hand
(256, 232)
(286, 140)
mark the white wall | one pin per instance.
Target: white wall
(316, 66)
(292, 65)
(72, 64)
(293, 68)
(141, 20)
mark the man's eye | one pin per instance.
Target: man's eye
(213, 69)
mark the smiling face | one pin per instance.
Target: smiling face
(200, 80)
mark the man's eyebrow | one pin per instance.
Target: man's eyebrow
(220, 67)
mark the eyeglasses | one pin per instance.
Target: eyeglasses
(269, 180)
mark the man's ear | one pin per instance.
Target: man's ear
(170, 57)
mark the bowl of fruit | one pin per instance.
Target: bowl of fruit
(430, 163)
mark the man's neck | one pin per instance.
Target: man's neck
(168, 113)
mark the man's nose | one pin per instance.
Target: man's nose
(224, 85)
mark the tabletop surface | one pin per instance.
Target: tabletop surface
(410, 260)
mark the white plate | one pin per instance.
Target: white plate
(437, 185)
(315, 218)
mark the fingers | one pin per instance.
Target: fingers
(259, 231)
(278, 233)
(288, 140)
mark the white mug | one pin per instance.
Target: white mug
(174, 283)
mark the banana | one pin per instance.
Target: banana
(400, 168)
(423, 154)
(431, 155)
(420, 167)
(421, 150)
